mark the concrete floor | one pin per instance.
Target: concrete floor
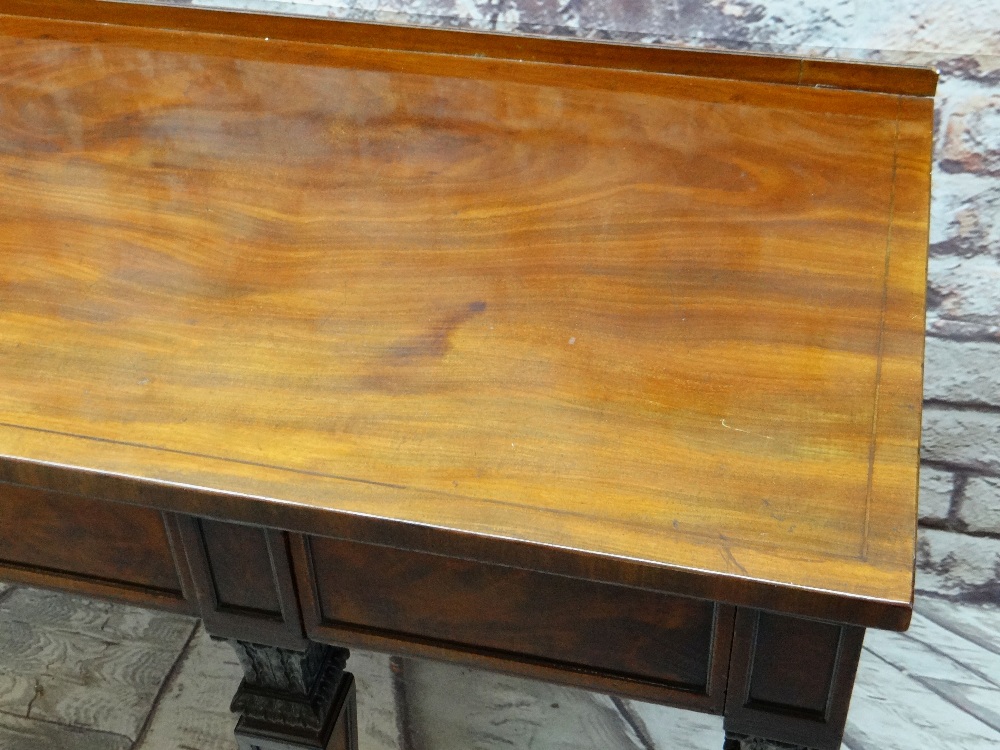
(78, 674)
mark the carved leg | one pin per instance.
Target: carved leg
(294, 700)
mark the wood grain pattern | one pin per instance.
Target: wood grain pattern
(665, 328)
(791, 650)
(240, 567)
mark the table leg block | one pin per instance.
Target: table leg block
(242, 580)
(790, 681)
(295, 700)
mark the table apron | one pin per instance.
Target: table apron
(791, 676)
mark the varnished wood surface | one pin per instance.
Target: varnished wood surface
(243, 581)
(91, 546)
(790, 679)
(893, 79)
(612, 629)
(655, 329)
(43, 530)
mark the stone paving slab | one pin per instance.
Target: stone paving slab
(892, 711)
(76, 663)
(96, 618)
(25, 734)
(378, 715)
(666, 728)
(193, 709)
(458, 708)
(922, 660)
(945, 641)
(978, 625)
(936, 686)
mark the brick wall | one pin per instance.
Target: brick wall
(959, 550)
(960, 476)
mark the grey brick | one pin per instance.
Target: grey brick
(958, 565)
(980, 504)
(972, 137)
(935, 493)
(971, 68)
(964, 291)
(964, 372)
(965, 214)
(967, 439)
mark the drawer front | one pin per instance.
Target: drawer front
(89, 546)
(665, 643)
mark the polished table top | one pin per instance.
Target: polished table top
(659, 329)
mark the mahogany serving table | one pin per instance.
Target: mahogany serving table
(594, 363)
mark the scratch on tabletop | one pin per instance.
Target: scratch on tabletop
(731, 558)
(737, 429)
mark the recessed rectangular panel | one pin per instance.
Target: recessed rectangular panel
(64, 533)
(613, 629)
(240, 567)
(789, 648)
(790, 679)
(243, 580)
